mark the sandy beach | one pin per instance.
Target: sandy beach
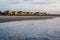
(19, 18)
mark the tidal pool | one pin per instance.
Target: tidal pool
(48, 29)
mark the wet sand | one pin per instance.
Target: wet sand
(19, 18)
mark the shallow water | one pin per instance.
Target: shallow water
(48, 29)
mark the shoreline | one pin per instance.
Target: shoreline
(19, 18)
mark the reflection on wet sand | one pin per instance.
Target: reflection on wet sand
(48, 29)
(19, 18)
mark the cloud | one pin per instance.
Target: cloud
(42, 2)
(30, 5)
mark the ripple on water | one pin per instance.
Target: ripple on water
(31, 30)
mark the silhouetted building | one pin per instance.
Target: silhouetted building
(3, 13)
(6, 12)
(43, 14)
(19, 12)
(27, 13)
(10, 13)
(32, 13)
(0, 12)
(37, 13)
(14, 13)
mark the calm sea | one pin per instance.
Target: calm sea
(46, 29)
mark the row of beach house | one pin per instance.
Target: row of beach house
(21, 13)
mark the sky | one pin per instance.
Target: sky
(30, 5)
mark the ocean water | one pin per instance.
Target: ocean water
(47, 29)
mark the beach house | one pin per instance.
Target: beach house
(10, 13)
